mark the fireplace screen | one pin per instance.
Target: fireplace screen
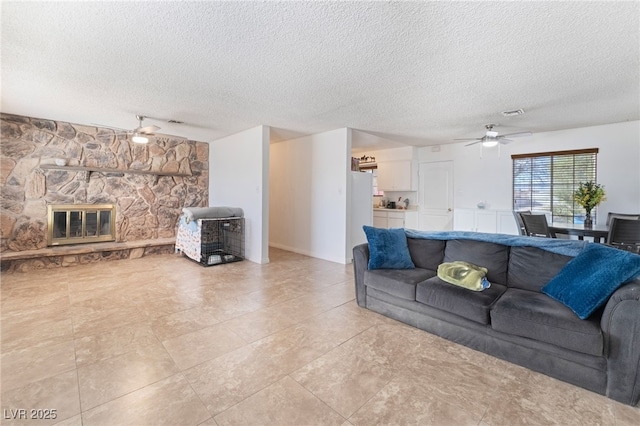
(81, 223)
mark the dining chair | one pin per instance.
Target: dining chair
(624, 234)
(535, 225)
(611, 215)
(519, 222)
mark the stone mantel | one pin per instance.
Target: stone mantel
(89, 170)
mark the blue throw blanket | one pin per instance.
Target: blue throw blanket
(565, 247)
(590, 278)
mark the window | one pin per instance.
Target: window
(546, 181)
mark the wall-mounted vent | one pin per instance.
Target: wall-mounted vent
(513, 112)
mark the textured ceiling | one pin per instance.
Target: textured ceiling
(420, 73)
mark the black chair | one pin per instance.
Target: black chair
(624, 234)
(535, 225)
(519, 221)
(611, 215)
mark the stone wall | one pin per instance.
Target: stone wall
(147, 206)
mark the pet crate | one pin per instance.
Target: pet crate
(212, 241)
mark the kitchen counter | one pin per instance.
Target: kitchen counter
(394, 210)
(395, 218)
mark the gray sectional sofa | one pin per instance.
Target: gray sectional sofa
(512, 320)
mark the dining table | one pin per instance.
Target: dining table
(598, 232)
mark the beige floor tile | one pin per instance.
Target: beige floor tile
(24, 366)
(406, 401)
(168, 326)
(170, 401)
(537, 399)
(227, 380)
(21, 332)
(110, 378)
(202, 345)
(53, 400)
(459, 382)
(386, 344)
(261, 323)
(626, 415)
(343, 322)
(343, 380)
(294, 347)
(209, 422)
(230, 304)
(50, 303)
(283, 403)
(112, 343)
(71, 421)
(272, 295)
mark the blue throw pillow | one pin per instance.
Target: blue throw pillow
(388, 248)
(586, 281)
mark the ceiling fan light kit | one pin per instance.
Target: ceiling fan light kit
(139, 138)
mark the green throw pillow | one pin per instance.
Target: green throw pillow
(464, 274)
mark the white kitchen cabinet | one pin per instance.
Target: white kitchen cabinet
(489, 221)
(395, 219)
(380, 219)
(394, 175)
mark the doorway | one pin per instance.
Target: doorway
(436, 196)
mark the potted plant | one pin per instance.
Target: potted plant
(589, 195)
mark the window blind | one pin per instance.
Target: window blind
(546, 181)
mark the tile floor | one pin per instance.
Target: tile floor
(162, 340)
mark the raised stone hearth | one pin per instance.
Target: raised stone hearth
(149, 183)
(55, 257)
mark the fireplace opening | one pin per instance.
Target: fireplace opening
(80, 223)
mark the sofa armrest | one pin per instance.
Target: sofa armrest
(621, 331)
(360, 264)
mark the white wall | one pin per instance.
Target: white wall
(309, 178)
(489, 178)
(239, 177)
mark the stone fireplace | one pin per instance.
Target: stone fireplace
(148, 185)
(80, 223)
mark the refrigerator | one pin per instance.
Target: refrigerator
(361, 209)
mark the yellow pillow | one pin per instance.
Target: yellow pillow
(464, 274)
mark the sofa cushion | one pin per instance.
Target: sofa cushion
(494, 257)
(427, 254)
(388, 248)
(587, 281)
(525, 271)
(397, 282)
(473, 305)
(537, 316)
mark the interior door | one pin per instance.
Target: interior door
(436, 196)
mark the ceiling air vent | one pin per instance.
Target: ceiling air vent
(513, 112)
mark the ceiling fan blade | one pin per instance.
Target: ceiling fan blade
(109, 127)
(164, 135)
(468, 139)
(504, 141)
(473, 143)
(516, 135)
(147, 129)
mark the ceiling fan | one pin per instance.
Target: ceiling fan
(492, 138)
(140, 134)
